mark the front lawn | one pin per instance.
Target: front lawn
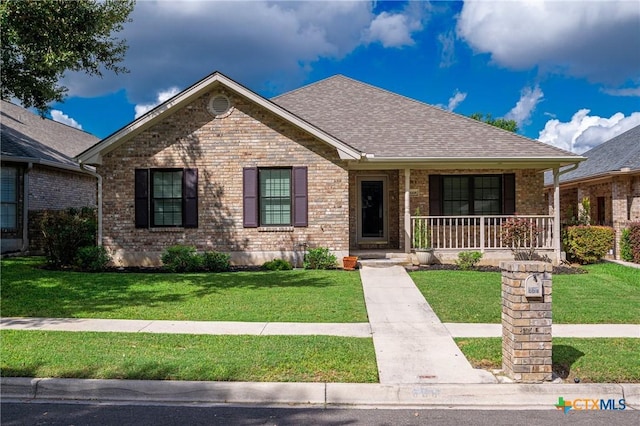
(589, 360)
(282, 296)
(608, 294)
(187, 357)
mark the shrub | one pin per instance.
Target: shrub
(92, 258)
(521, 236)
(634, 240)
(181, 258)
(468, 259)
(277, 265)
(65, 231)
(215, 261)
(319, 258)
(588, 244)
(626, 250)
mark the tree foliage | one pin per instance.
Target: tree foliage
(44, 38)
(502, 123)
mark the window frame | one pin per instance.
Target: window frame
(16, 199)
(153, 198)
(471, 194)
(261, 198)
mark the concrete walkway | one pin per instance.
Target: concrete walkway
(412, 345)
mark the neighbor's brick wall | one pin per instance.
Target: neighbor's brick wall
(219, 148)
(622, 202)
(51, 189)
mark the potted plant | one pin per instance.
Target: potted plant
(422, 241)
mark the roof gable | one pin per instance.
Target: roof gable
(385, 124)
(617, 154)
(94, 154)
(30, 138)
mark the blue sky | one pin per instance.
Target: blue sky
(567, 71)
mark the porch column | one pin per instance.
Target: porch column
(407, 210)
(556, 216)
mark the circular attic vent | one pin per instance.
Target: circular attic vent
(219, 105)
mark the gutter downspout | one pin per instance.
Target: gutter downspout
(99, 178)
(556, 209)
(25, 209)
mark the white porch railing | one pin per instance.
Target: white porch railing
(478, 232)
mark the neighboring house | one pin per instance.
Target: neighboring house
(610, 180)
(339, 164)
(39, 173)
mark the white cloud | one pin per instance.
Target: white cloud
(454, 101)
(592, 39)
(447, 58)
(529, 99)
(585, 131)
(63, 118)
(393, 30)
(632, 91)
(163, 96)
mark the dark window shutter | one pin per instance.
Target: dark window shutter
(142, 198)
(190, 198)
(250, 197)
(300, 198)
(435, 196)
(509, 193)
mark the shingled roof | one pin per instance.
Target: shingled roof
(27, 137)
(616, 154)
(389, 125)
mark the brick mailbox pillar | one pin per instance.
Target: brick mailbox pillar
(526, 320)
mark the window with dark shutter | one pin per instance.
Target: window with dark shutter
(275, 197)
(166, 198)
(462, 195)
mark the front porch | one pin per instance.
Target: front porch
(383, 226)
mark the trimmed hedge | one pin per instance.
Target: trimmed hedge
(588, 244)
(634, 241)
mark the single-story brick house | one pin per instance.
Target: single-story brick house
(610, 179)
(39, 173)
(338, 163)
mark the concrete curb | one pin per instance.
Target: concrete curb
(469, 396)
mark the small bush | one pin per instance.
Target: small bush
(92, 258)
(319, 258)
(181, 258)
(468, 259)
(626, 250)
(521, 236)
(215, 261)
(277, 265)
(588, 244)
(65, 231)
(634, 240)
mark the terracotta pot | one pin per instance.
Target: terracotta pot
(350, 262)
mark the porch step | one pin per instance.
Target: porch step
(378, 259)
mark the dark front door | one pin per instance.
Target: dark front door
(372, 209)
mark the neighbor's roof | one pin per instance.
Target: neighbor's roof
(615, 155)
(27, 137)
(390, 126)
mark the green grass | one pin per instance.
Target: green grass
(278, 296)
(187, 357)
(590, 360)
(609, 293)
